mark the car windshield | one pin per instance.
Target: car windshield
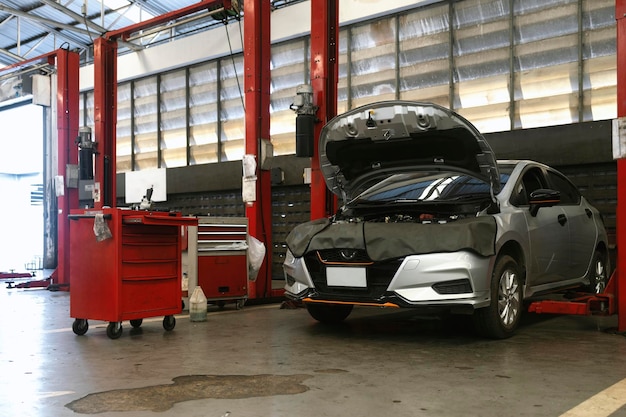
(427, 186)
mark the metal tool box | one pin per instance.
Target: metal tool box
(133, 274)
(221, 247)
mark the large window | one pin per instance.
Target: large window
(481, 62)
(425, 56)
(173, 119)
(124, 128)
(146, 113)
(232, 110)
(503, 64)
(288, 72)
(373, 62)
(203, 113)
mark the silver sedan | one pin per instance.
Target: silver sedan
(429, 219)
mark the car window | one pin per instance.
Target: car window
(569, 193)
(531, 180)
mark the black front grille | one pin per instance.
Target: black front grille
(350, 256)
(379, 275)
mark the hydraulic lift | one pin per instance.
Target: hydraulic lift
(324, 54)
(137, 264)
(613, 299)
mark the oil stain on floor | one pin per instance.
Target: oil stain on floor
(187, 388)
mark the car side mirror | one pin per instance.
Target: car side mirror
(543, 198)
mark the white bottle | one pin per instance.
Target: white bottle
(197, 305)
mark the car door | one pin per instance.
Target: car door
(548, 233)
(582, 226)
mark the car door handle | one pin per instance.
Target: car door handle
(562, 219)
(589, 213)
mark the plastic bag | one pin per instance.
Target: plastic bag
(101, 229)
(256, 254)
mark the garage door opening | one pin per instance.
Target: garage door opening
(21, 188)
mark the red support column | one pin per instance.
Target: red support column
(257, 50)
(324, 74)
(620, 15)
(105, 115)
(67, 64)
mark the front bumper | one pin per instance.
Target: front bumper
(458, 279)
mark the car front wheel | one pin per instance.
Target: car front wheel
(500, 319)
(329, 313)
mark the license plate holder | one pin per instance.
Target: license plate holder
(338, 276)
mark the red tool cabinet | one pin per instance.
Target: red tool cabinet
(222, 252)
(133, 274)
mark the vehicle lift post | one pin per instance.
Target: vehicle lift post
(620, 15)
(324, 76)
(256, 83)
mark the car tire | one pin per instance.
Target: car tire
(500, 319)
(329, 313)
(599, 274)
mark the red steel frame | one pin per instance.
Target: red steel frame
(67, 96)
(324, 75)
(620, 15)
(257, 51)
(105, 95)
(67, 124)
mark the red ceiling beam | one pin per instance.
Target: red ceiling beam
(124, 33)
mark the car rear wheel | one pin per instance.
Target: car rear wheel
(329, 313)
(599, 277)
(500, 319)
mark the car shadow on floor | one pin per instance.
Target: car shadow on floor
(410, 325)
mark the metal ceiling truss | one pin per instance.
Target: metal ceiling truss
(80, 29)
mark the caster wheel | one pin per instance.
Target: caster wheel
(136, 323)
(80, 326)
(240, 304)
(114, 330)
(169, 322)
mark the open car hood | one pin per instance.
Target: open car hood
(380, 139)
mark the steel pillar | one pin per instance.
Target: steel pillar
(105, 118)
(67, 97)
(324, 75)
(257, 51)
(620, 15)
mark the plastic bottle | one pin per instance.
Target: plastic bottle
(197, 305)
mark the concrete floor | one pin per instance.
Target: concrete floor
(267, 361)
